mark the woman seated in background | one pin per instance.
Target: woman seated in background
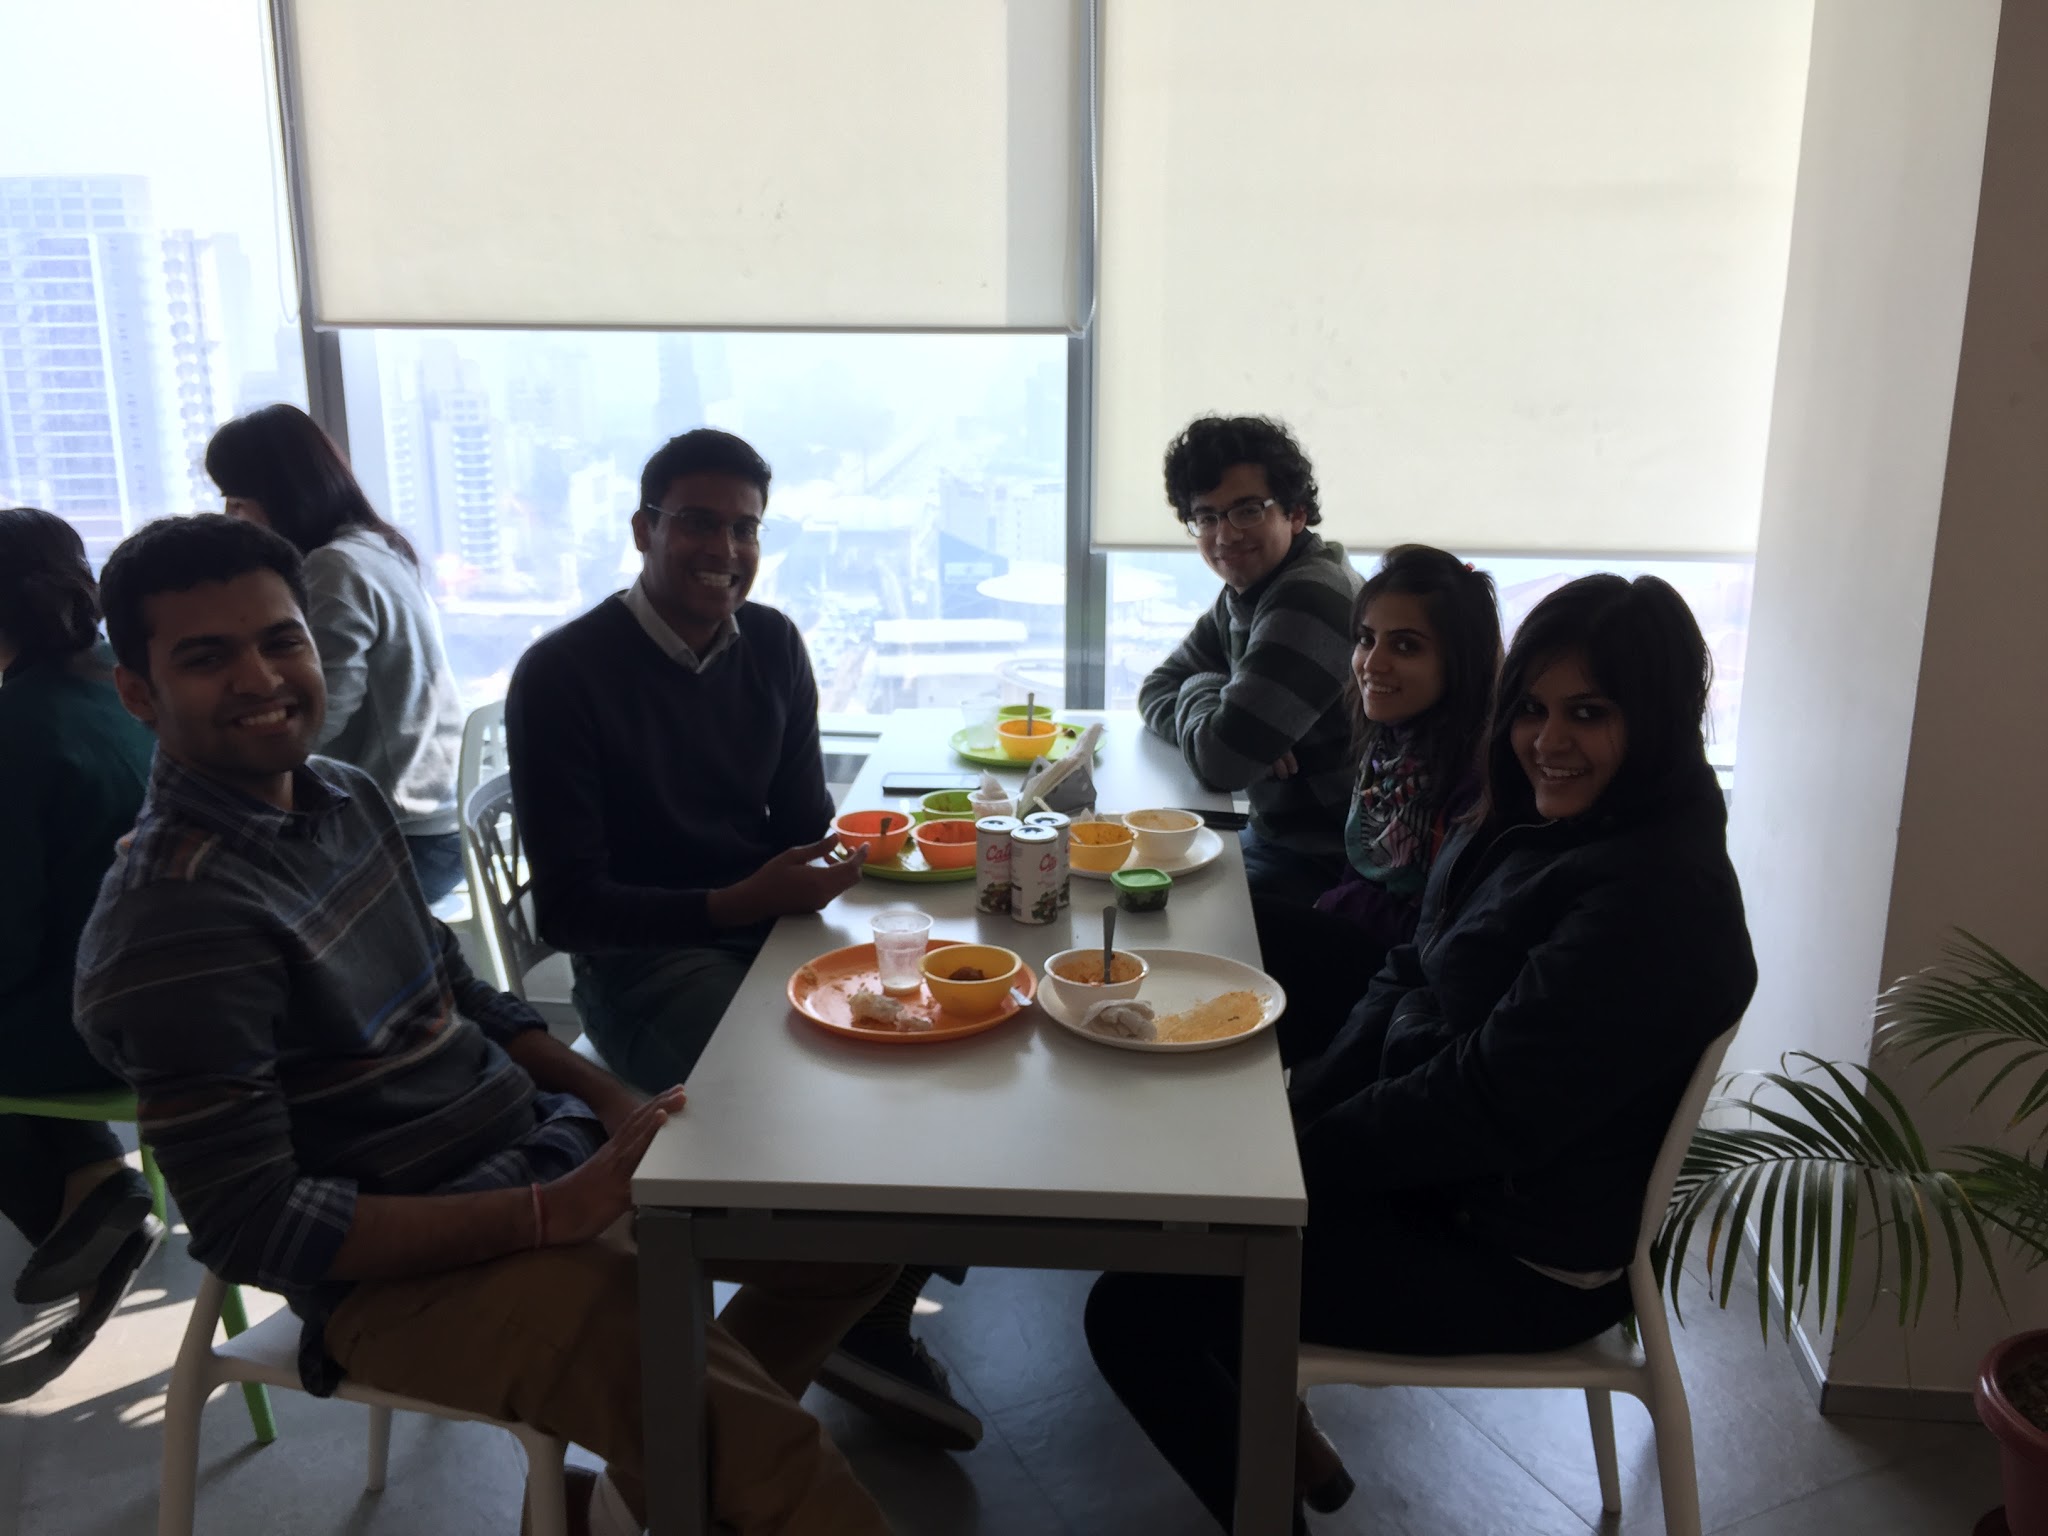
(392, 706)
(1477, 1139)
(73, 767)
(1427, 633)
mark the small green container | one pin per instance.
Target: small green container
(1142, 890)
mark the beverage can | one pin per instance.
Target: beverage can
(992, 863)
(1035, 874)
(1064, 825)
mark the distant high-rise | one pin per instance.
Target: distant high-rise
(112, 365)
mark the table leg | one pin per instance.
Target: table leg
(673, 1313)
(1268, 1350)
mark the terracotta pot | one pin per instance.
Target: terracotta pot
(2023, 1449)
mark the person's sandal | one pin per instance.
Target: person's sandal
(1320, 1476)
(72, 1257)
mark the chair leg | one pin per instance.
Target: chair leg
(380, 1447)
(159, 1202)
(235, 1319)
(1600, 1413)
(547, 1496)
(178, 1494)
(1676, 1470)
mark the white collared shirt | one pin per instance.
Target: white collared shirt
(673, 645)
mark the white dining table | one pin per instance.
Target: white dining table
(1025, 1146)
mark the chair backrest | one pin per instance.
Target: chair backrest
(484, 754)
(503, 884)
(1664, 1172)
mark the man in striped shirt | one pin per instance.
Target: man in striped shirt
(1255, 696)
(349, 1116)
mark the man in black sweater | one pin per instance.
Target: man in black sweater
(672, 803)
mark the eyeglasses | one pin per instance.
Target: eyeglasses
(1248, 513)
(692, 524)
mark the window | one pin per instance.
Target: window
(176, 308)
(1155, 596)
(916, 528)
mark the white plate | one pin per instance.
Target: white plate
(1205, 850)
(1180, 979)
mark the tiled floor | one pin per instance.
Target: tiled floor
(1060, 1459)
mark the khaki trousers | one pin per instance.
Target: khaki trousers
(551, 1339)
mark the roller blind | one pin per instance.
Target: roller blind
(900, 164)
(1512, 271)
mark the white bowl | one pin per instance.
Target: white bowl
(1170, 839)
(1080, 996)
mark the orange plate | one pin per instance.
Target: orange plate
(822, 991)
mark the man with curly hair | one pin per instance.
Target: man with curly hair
(1254, 696)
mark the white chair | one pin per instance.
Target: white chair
(485, 755)
(500, 884)
(1647, 1369)
(269, 1354)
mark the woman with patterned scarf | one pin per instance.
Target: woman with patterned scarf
(1427, 633)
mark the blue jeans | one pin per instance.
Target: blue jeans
(436, 863)
(650, 1012)
(1279, 873)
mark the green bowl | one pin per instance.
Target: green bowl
(943, 805)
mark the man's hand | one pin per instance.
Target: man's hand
(788, 883)
(578, 1206)
(616, 1104)
(1287, 767)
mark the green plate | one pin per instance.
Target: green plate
(987, 753)
(909, 866)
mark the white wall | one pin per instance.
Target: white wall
(1895, 718)
(1973, 832)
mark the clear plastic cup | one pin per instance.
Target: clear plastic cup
(900, 938)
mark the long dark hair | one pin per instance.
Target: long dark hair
(1466, 617)
(1643, 648)
(280, 459)
(49, 604)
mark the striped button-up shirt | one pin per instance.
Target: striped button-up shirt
(299, 1029)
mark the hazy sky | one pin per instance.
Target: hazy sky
(175, 90)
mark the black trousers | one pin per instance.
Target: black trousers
(1384, 1276)
(1323, 962)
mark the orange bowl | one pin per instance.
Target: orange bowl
(863, 829)
(946, 844)
(1026, 738)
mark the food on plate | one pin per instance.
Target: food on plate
(1217, 1019)
(807, 977)
(1121, 1021)
(1087, 968)
(879, 1008)
(967, 973)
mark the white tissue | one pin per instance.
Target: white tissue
(992, 788)
(1121, 1021)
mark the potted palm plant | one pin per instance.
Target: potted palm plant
(1841, 1187)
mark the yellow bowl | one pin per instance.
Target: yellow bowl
(1026, 738)
(970, 998)
(1101, 846)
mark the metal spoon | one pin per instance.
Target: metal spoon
(1108, 940)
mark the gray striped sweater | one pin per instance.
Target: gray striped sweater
(1262, 674)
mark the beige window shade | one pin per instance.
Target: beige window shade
(900, 164)
(1513, 271)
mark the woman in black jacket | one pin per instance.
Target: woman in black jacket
(1477, 1139)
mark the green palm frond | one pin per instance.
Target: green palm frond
(2011, 1191)
(1980, 1006)
(1840, 1166)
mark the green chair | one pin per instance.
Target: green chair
(119, 1104)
